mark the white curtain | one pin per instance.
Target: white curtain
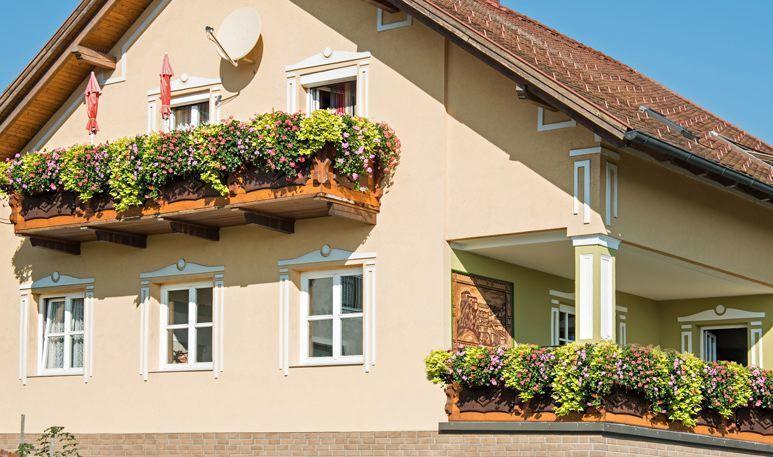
(55, 356)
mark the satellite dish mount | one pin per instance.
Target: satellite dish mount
(237, 36)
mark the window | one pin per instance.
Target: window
(186, 317)
(332, 316)
(61, 341)
(340, 97)
(192, 115)
(562, 325)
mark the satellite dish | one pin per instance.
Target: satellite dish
(237, 36)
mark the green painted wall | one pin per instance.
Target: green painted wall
(669, 311)
(649, 322)
(532, 299)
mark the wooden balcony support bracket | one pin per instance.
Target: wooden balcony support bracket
(92, 57)
(200, 231)
(352, 212)
(523, 93)
(275, 223)
(67, 246)
(135, 240)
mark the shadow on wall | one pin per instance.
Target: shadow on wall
(234, 79)
(249, 255)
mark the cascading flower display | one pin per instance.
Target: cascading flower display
(281, 145)
(580, 376)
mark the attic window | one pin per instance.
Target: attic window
(660, 117)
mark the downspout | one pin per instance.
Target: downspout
(644, 140)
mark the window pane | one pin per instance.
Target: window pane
(320, 296)
(178, 307)
(55, 355)
(341, 97)
(204, 344)
(204, 304)
(351, 336)
(321, 338)
(571, 327)
(177, 346)
(76, 315)
(562, 324)
(76, 351)
(204, 113)
(351, 294)
(182, 116)
(56, 315)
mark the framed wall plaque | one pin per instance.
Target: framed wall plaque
(482, 310)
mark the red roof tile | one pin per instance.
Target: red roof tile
(610, 85)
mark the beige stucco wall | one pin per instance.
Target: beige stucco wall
(473, 164)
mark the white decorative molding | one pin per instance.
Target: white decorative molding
(193, 82)
(596, 240)
(334, 57)
(283, 312)
(382, 27)
(543, 127)
(363, 89)
(334, 75)
(759, 323)
(217, 325)
(292, 93)
(586, 195)
(585, 307)
(144, 327)
(756, 347)
(728, 314)
(182, 268)
(559, 294)
(335, 255)
(56, 279)
(622, 334)
(555, 321)
(621, 308)
(687, 342)
(88, 334)
(686, 327)
(23, 335)
(607, 308)
(610, 190)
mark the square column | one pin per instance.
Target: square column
(594, 287)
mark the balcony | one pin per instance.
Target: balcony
(265, 174)
(577, 385)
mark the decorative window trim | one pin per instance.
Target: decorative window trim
(622, 333)
(610, 189)
(47, 286)
(337, 259)
(702, 332)
(687, 342)
(755, 335)
(586, 190)
(328, 67)
(178, 273)
(186, 91)
(720, 313)
(336, 316)
(383, 27)
(41, 335)
(607, 305)
(594, 150)
(543, 127)
(163, 365)
(558, 306)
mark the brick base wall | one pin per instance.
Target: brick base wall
(378, 444)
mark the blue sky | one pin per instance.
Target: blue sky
(717, 53)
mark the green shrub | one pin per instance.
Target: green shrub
(437, 365)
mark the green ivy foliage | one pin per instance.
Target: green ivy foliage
(134, 170)
(580, 376)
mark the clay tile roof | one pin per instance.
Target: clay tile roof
(611, 86)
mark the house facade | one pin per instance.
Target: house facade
(540, 197)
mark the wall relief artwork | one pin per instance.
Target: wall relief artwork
(483, 311)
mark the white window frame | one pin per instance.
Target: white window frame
(192, 100)
(704, 329)
(43, 323)
(312, 93)
(555, 322)
(586, 190)
(611, 203)
(191, 325)
(336, 316)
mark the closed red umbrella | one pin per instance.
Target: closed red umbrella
(92, 103)
(166, 88)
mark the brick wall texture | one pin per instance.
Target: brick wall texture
(377, 444)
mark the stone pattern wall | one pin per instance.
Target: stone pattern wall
(377, 444)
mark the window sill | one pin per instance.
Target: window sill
(328, 363)
(175, 368)
(49, 374)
